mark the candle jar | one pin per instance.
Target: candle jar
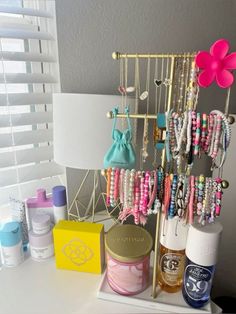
(128, 250)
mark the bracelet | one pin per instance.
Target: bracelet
(204, 131)
(198, 134)
(108, 186)
(172, 208)
(154, 191)
(112, 187)
(145, 194)
(136, 198)
(131, 189)
(189, 127)
(116, 191)
(191, 199)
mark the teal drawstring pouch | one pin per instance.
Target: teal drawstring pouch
(121, 154)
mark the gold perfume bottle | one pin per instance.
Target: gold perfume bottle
(171, 260)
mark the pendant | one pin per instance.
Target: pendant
(144, 95)
(130, 89)
(121, 89)
(158, 82)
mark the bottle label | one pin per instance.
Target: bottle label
(42, 253)
(197, 281)
(13, 255)
(172, 265)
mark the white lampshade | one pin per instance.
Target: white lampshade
(82, 132)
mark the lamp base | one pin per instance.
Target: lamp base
(78, 211)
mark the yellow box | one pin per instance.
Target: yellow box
(79, 246)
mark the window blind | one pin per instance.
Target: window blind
(29, 74)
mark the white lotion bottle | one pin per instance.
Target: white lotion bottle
(59, 203)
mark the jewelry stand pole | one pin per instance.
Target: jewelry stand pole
(158, 220)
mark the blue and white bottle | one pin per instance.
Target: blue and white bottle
(201, 252)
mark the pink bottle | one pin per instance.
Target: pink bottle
(128, 250)
(41, 204)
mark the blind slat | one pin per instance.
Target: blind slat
(21, 99)
(25, 11)
(26, 137)
(24, 34)
(29, 173)
(28, 189)
(25, 119)
(24, 78)
(26, 56)
(26, 156)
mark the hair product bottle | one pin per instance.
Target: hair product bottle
(201, 256)
(59, 203)
(41, 204)
(172, 254)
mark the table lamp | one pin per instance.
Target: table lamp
(82, 136)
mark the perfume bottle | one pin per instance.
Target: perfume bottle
(172, 254)
(201, 252)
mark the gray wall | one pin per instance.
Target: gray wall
(90, 30)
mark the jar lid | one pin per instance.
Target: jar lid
(203, 242)
(41, 223)
(11, 234)
(128, 243)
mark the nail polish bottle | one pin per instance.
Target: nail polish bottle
(171, 260)
(201, 257)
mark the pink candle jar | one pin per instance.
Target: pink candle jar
(128, 250)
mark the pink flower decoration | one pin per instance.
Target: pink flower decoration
(216, 65)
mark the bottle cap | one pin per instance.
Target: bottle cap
(41, 195)
(11, 234)
(174, 233)
(59, 195)
(41, 224)
(203, 242)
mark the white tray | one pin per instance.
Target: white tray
(165, 302)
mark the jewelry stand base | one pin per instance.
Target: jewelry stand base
(164, 303)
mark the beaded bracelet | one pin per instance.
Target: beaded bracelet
(200, 194)
(131, 189)
(112, 187)
(154, 191)
(116, 191)
(108, 186)
(189, 137)
(194, 127)
(218, 196)
(204, 130)
(126, 188)
(145, 194)
(198, 134)
(167, 193)
(179, 200)
(142, 180)
(191, 199)
(121, 185)
(136, 198)
(202, 218)
(172, 208)
(217, 136)
(183, 131)
(209, 132)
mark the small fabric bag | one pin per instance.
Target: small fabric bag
(121, 154)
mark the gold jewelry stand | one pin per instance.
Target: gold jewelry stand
(117, 56)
